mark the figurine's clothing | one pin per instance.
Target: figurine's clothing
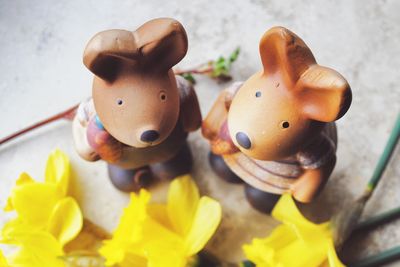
(278, 176)
(133, 157)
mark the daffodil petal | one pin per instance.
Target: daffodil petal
(286, 211)
(183, 198)
(125, 242)
(155, 232)
(263, 250)
(205, 223)
(23, 178)
(3, 261)
(333, 259)
(66, 220)
(14, 228)
(159, 213)
(34, 202)
(9, 205)
(112, 251)
(300, 253)
(130, 226)
(296, 242)
(150, 235)
(132, 260)
(259, 254)
(37, 249)
(58, 170)
(172, 255)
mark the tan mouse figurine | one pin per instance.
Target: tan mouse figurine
(276, 130)
(140, 113)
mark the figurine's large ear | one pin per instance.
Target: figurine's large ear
(283, 51)
(105, 51)
(324, 94)
(162, 43)
(159, 43)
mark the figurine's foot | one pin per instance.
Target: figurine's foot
(180, 164)
(130, 180)
(222, 170)
(260, 200)
(206, 259)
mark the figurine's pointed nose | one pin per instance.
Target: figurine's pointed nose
(243, 140)
(149, 136)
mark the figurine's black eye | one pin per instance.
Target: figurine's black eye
(258, 94)
(285, 124)
(120, 102)
(163, 96)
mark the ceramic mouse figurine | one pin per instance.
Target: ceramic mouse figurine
(140, 113)
(276, 130)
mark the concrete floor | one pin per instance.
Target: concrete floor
(41, 74)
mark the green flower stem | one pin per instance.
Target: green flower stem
(344, 222)
(385, 157)
(379, 259)
(377, 220)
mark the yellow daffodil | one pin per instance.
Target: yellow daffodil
(163, 235)
(296, 242)
(3, 261)
(47, 218)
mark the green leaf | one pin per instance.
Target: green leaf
(234, 55)
(222, 66)
(189, 77)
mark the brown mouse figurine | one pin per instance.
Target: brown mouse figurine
(141, 113)
(276, 130)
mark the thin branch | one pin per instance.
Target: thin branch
(199, 70)
(67, 114)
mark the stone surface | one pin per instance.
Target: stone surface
(41, 74)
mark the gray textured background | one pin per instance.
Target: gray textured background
(41, 73)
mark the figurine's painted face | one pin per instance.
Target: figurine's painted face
(134, 90)
(283, 107)
(264, 119)
(138, 109)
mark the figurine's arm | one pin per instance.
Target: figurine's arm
(79, 128)
(311, 182)
(105, 145)
(92, 141)
(215, 117)
(317, 162)
(190, 108)
(214, 126)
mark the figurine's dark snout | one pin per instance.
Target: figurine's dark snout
(243, 140)
(149, 136)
